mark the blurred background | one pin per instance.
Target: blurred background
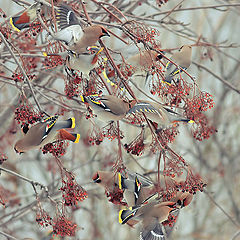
(213, 27)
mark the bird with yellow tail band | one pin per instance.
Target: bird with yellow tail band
(182, 58)
(130, 184)
(156, 113)
(72, 33)
(107, 107)
(84, 62)
(26, 18)
(148, 189)
(46, 131)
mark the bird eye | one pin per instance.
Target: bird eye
(179, 202)
(98, 181)
(159, 57)
(104, 31)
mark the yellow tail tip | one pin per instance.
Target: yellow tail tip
(169, 84)
(44, 54)
(191, 121)
(82, 98)
(77, 138)
(73, 122)
(119, 180)
(14, 27)
(120, 216)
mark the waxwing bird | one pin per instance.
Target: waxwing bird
(90, 36)
(156, 112)
(26, 18)
(182, 58)
(144, 60)
(84, 62)
(70, 31)
(46, 131)
(109, 181)
(107, 107)
(139, 63)
(151, 216)
(115, 182)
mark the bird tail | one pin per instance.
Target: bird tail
(17, 24)
(83, 99)
(71, 122)
(65, 135)
(24, 20)
(126, 214)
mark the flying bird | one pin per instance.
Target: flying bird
(73, 34)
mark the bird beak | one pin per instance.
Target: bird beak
(17, 151)
(96, 178)
(105, 34)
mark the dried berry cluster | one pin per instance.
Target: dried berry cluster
(26, 114)
(72, 192)
(57, 148)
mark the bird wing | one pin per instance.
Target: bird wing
(108, 104)
(142, 107)
(152, 230)
(50, 122)
(145, 182)
(66, 17)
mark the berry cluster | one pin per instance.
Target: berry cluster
(57, 148)
(72, 192)
(26, 114)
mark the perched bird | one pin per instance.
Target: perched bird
(76, 37)
(84, 62)
(26, 18)
(143, 61)
(140, 63)
(156, 112)
(46, 131)
(107, 107)
(182, 58)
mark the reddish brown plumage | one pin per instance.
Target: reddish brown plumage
(65, 135)
(24, 18)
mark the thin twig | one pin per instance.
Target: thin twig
(229, 217)
(23, 72)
